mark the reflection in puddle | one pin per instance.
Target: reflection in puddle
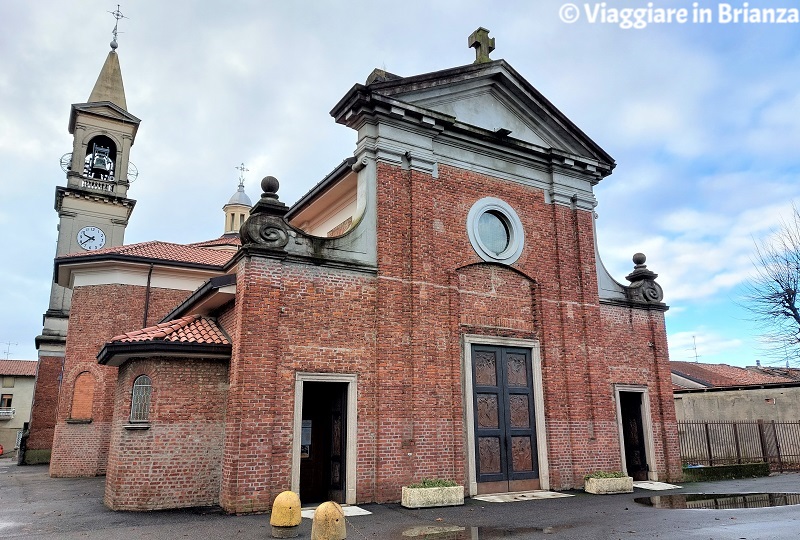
(454, 532)
(721, 501)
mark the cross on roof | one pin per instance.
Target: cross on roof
(482, 44)
(117, 14)
(241, 168)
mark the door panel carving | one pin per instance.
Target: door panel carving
(488, 414)
(485, 369)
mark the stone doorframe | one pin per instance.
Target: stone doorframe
(647, 427)
(467, 341)
(351, 428)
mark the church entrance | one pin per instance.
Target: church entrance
(505, 428)
(630, 407)
(322, 442)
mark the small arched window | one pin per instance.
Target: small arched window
(140, 399)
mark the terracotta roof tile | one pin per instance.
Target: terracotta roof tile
(224, 240)
(19, 368)
(188, 329)
(790, 373)
(162, 250)
(721, 375)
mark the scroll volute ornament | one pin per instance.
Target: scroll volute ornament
(266, 226)
(643, 288)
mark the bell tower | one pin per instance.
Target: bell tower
(93, 207)
(237, 210)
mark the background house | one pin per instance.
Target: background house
(733, 415)
(16, 396)
(719, 392)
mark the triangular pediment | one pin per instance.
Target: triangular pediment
(104, 109)
(496, 98)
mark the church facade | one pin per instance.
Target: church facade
(433, 308)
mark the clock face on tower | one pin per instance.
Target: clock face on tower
(91, 238)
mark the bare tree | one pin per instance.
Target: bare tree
(772, 293)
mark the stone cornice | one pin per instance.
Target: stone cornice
(109, 198)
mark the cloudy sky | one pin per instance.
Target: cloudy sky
(702, 119)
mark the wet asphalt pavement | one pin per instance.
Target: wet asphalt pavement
(34, 506)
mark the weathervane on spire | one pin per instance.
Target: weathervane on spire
(241, 168)
(117, 15)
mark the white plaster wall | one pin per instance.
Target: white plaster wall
(779, 404)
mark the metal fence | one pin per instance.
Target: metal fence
(729, 443)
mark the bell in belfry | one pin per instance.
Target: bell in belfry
(100, 164)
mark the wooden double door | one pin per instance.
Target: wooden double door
(505, 428)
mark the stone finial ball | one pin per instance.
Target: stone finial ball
(270, 184)
(639, 258)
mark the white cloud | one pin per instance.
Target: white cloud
(701, 344)
(702, 124)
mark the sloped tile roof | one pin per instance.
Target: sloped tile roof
(188, 329)
(19, 368)
(722, 375)
(791, 373)
(165, 251)
(224, 240)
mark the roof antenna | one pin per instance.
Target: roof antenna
(117, 15)
(8, 345)
(694, 342)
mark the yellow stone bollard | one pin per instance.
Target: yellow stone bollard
(328, 523)
(285, 518)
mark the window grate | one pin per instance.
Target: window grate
(140, 399)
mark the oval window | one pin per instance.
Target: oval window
(495, 231)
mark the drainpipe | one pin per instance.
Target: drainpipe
(147, 296)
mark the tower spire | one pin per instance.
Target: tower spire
(109, 85)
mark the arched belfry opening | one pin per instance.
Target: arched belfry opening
(101, 158)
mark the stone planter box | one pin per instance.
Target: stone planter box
(432, 496)
(601, 486)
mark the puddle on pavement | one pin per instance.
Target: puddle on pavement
(454, 532)
(720, 501)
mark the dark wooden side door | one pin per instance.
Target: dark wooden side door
(322, 457)
(505, 431)
(630, 404)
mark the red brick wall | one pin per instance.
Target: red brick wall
(98, 313)
(45, 403)
(291, 318)
(636, 346)
(550, 294)
(177, 462)
(401, 333)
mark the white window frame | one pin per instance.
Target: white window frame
(507, 214)
(138, 410)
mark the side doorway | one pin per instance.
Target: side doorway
(322, 450)
(324, 437)
(635, 431)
